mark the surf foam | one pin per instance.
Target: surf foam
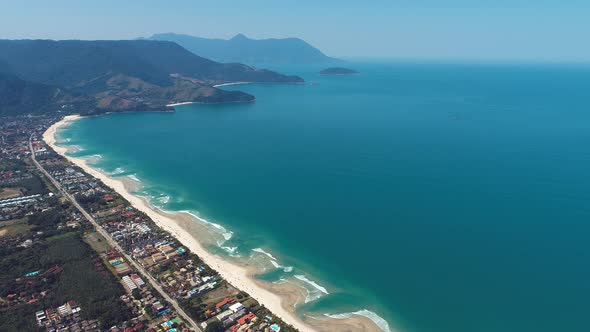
(378, 320)
(319, 290)
(261, 251)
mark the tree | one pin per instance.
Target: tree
(136, 294)
(214, 326)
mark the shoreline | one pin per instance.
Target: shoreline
(280, 299)
(231, 83)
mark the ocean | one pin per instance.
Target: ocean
(430, 197)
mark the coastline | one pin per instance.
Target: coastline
(231, 83)
(281, 299)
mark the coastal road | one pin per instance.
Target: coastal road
(153, 282)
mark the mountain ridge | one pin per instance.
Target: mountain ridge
(242, 49)
(124, 75)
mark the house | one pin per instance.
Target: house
(236, 307)
(137, 280)
(246, 318)
(224, 303)
(129, 284)
(158, 257)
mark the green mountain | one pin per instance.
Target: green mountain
(21, 97)
(121, 75)
(245, 50)
(76, 64)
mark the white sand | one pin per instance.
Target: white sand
(236, 275)
(232, 83)
(183, 103)
(280, 300)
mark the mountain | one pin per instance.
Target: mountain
(245, 50)
(19, 96)
(75, 63)
(125, 75)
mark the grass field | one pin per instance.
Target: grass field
(14, 227)
(97, 242)
(61, 236)
(6, 193)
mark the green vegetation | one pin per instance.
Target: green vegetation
(61, 236)
(32, 186)
(94, 77)
(97, 242)
(10, 165)
(14, 227)
(47, 221)
(19, 96)
(215, 326)
(96, 292)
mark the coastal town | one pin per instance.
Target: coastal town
(77, 256)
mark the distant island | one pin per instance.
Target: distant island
(95, 77)
(338, 71)
(251, 51)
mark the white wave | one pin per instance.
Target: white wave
(134, 177)
(279, 266)
(230, 250)
(261, 251)
(96, 156)
(280, 281)
(313, 284)
(227, 234)
(118, 170)
(311, 296)
(217, 226)
(378, 320)
(164, 199)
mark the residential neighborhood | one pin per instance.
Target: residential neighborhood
(54, 217)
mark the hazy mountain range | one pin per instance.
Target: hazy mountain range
(128, 75)
(251, 51)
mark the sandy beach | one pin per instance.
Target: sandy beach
(281, 299)
(183, 103)
(232, 83)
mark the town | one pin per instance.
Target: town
(76, 256)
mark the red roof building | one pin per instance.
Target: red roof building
(227, 300)
(246, 318)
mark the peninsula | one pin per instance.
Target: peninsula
(96, 77)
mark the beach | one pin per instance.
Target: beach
(281, 299)
(180, 104)
(230, 84)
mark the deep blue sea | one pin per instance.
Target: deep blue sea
(441, 197)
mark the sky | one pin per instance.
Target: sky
(539, 30)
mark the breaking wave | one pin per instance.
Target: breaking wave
(227, 234)
(134, 178)
(261, 251)
(273, 260)
(118, 170)
(317, 291)
(378, 320)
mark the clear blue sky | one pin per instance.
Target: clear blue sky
(469, 29)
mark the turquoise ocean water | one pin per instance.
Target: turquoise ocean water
(440, 197)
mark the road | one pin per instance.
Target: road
(153, 282)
